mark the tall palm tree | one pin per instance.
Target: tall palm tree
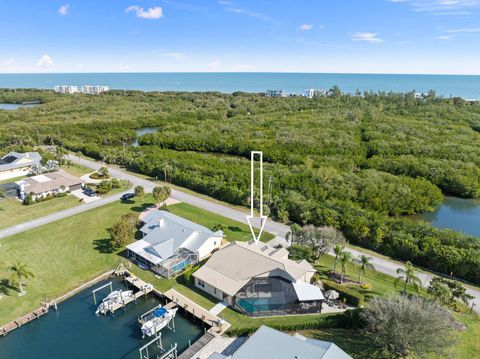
(295, 229)
(19, 272)
(365, 264)
(408, 276)
(338, 250)
(344, 259)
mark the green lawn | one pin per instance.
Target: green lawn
(13, 212)
(236, 231)
(76, 169)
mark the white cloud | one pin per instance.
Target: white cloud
(152, 13)
(442, 7)
(366, 36)
(214, 65)
(45, 61)
(7, 62)
(63, 10)
(445, 37)
(464, 30)
(174, 55)
(306, 27)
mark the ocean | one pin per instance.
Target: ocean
(467, 87)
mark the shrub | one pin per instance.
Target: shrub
(351, 295)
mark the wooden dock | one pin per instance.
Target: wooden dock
(196, 310)
(17, 323)
(143, 289)
(197, 346)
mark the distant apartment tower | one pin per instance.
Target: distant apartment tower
(94, 90)
(276, 93)
(66, 89)
(311, 93)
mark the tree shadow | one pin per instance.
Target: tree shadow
(141, 207)
(6, 287)
(234, 229)
(103, 246)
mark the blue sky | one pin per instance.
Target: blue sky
(369, 36)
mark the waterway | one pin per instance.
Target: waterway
(141, 132)
(12, 106)
(455, 213)
(74, 331)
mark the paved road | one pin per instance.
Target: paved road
(58, 215)
(278, 229)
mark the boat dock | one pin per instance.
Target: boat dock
(7, 328)
(218, 326)
(143, 288)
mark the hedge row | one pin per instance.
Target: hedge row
(324, 321)
(351, 295)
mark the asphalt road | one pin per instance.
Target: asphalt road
(278, 229)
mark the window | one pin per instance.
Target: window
(215, 290)
(200, 283)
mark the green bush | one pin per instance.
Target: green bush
(351, 295)
(330, 321)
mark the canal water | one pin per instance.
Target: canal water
(143, 131)
(12, 106)
(74, 331)
(458, 214)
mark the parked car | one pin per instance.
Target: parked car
(127, 196)
(89, 192)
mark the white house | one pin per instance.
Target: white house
(16, 164)
(48, 184)
(66, 89)
(170, 243)
(276, 93)
(94, 90)
(311, 93)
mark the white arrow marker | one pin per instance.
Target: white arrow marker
(263, 219)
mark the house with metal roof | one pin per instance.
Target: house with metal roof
(170, 243)
(16, 164)
(268, 343)
(260, 280)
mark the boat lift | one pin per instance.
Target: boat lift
(157, 341)
(100, 288)
(170, 325)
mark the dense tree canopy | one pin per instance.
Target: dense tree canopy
(351, 162)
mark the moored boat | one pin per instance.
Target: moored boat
(115, 297)
(155, 320)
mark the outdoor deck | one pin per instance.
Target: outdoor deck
(7, 328)
(197, 346)
(143, 289)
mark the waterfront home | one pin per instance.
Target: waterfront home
(311, 93)
(15, 164)
(170, 243)
(260, 280)
(66, 89)
(268, 343)
(47, 184)
(94, 90)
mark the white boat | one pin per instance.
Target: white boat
(156, 320)
(115, 297)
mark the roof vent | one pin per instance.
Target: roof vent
(161, 222)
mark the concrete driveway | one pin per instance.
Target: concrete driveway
(86, 199)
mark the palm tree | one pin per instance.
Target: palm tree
(294, 231)
(19, 272)
(344, 259)
(338, 250)
(364, 265)
(220, 227)
(408, 276)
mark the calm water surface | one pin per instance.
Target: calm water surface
(456, 213)
(76, 332)
(11, 106)
(143, 131)
(446, 85)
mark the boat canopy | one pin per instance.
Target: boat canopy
(159, 312)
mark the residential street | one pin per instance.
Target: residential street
(278, 229)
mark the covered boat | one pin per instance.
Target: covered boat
(115, 297)
(155, 320)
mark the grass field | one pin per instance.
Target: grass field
(236, 231)
(13, 212)
(69, 252)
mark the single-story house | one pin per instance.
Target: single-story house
(260, 280)
(48, 184)
(268, 343)
(15, 164)
(170, 243)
